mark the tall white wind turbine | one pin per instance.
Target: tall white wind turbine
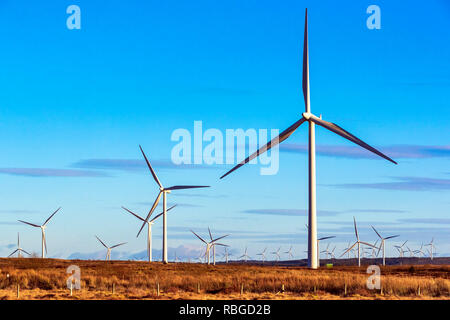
(312, 120)
(383, 244)
(358, 243)
(210, 244)
(163, 191)
(108, 249)
(149, 229)
(42, 227)
(19, 250)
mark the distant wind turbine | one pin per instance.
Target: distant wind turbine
(262, 254)
(432, 248)
(317, 246)
(163, 191)
(383, 244)
(358, 243)
(43, 226)
(19, 250)
(277, 254)
(245, 255)
(108, 249)
(289, 253)
(307, 116)
(149, 229)
(210, 244)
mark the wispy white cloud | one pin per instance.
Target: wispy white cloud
(355, 152)
(47, 172)
(402, 183)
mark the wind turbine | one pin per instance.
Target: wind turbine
(245, 255)
(383, 244)
(262, 254)
(326, 251)
(307, 116)
(400, 249)
(420, 251)
(289, 253)
(108, 249)
(317, 246)
(149, 229)
(163, 191)
(358, 242)
(43, 226)
(432, 248)
(226, 255)
(210, 244)
(213, 246)
(277, 253)
(19, 250)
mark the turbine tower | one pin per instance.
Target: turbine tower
(149, 229)
(307, 116)
(42, 227)
(108, 249)
(358, 242)
(163, 191)
(383, 244)
(19, 250)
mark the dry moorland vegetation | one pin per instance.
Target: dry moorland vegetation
(46, 279)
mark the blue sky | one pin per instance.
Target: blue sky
(73, 102)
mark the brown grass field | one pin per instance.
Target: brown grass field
(46, 279)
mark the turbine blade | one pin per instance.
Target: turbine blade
(325, 238)
(377, 232)
(46, 221)
(305, 82)
(392, 237)
(26, 252)
(150, 212)
(134, 214)
(31, 224)
(275, 141)
(367, 244)
(102, 242)
(221, 244)
(151, 169)
(118, 245)
(13, 252)
(160, 214)
(199, 237)
(347, 135)
(356, 229)
(210, 235)
(349, 249)
(220, 238)
(185, 187)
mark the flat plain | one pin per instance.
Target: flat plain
(47, 279)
